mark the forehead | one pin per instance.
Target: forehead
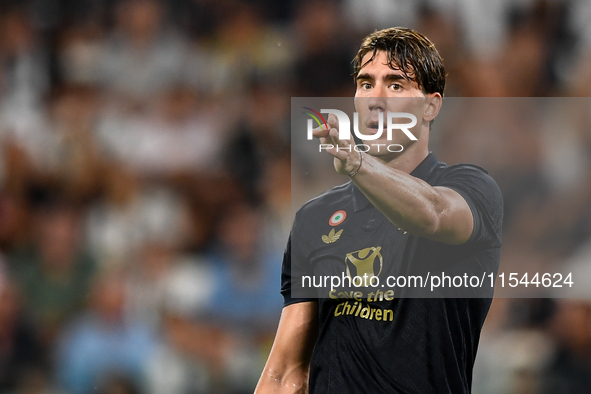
(380, 64)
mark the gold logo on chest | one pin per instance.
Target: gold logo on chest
(332, 236)
(366, 261)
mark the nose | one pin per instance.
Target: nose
(377, 103)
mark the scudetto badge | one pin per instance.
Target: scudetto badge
(337, 218)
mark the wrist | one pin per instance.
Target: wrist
(357, 167)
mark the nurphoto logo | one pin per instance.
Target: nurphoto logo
(345, 127)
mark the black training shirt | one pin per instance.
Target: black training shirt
(382, 340)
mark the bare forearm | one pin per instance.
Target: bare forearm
(287, 382)
(288, 366)
(437, 213)
(408, 202)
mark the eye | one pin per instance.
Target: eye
(396, 86)
(365, 85)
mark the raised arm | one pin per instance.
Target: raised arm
(286, 370)
(437, 213)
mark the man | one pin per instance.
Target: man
(401, 209)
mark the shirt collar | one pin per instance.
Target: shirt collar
(422, 171)
(425, 167)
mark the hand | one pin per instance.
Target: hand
(346, 158)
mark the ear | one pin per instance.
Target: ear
(433, 104)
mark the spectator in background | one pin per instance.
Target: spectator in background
(244, 49)
(20, 351)
(515, 352)
(113, 228)
(144, 56)
(160, 273)
(323, 47)
(569, 371)
(14, 215)
(23, 66)
(243, 302)
(191, 353)
(276, 186)
(174, 136)
(74, 154)
(53, 272)
(244, 270)
(129, 213)
(24, 82)
(101, 347)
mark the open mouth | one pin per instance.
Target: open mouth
(372, 127)
(372, 122)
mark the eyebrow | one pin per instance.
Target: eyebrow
(388, 77)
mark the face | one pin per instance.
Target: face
(379, 90)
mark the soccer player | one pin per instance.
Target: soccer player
(401, 208)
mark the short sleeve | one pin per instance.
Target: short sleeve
(484, 198)
(293, 262)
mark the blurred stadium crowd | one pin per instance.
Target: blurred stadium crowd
(145, 187)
